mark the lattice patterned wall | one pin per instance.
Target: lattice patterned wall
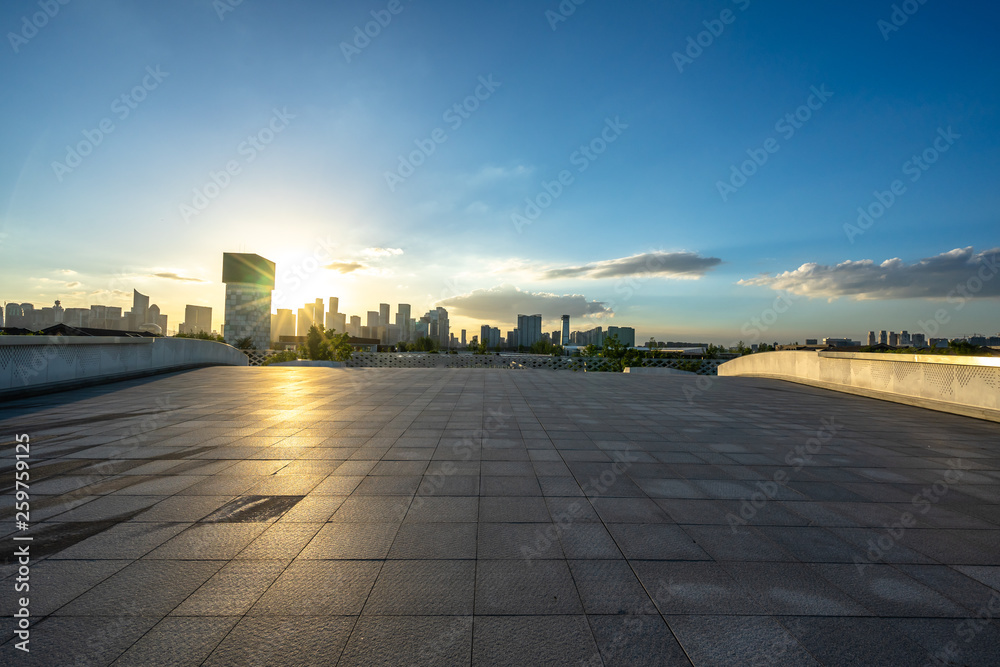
(389, 360)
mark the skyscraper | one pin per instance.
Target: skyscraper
(403, 322)
(249, 281)
(529, 329)
(565, 330)
(383, 314)
(197, 319)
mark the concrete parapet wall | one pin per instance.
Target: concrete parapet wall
(39, 364)
(963, 385)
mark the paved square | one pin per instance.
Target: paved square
(295, 516)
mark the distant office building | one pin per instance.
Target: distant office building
(904, 339)
(383, 314)
(883, 337)
(249, 282)
(337, 322)
(626, 335)
(871, 338)
(372, 319)
(918, 340)
(490, 336)
(594, 337)
(282, 324)
(139, 314)
(529, 330)
(841, 342)
(77, 317)
(355, 327)
(197, 319)
(404, 322)
(556, 337)
(463, 338)
(893, 339)
(334, 305)
(809, 341)
(565, 329)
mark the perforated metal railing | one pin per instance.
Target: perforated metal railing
(518, 362)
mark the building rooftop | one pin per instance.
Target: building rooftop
(466, 516)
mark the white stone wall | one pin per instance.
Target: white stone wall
(963, 385)
(40, 362)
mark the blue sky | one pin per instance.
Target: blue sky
(640, 231)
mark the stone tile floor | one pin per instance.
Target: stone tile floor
(290, 516)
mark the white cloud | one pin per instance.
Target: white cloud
(382, 252)
(504, 302)
(930, 278)
(677, 265)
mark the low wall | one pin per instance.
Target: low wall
(31, 365)
(962, 385)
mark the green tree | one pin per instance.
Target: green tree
(425, 344)
(245, 343)
(327, 345)
(589, 351)
(202, 335)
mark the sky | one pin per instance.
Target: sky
(713, 171)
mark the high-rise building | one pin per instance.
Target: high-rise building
(249, 282)
(883, 337)
(334, 305)
(893, 339)
(463, 338)
(871, 338)
(337, 322)
(904, 338)
(383, 314)
(355, 328)
(626, 335)
(372, 319)
(318, 315)
(283, 324)
(529, 330)
(556, 337)
(918, 340)
(565, 329)
(404, 322)
(197, 319)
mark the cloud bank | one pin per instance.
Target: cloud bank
(960, 270)
(678, 265)
(504, 302)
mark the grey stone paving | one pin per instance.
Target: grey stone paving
(393, 516)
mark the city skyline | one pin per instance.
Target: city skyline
(709, 166)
